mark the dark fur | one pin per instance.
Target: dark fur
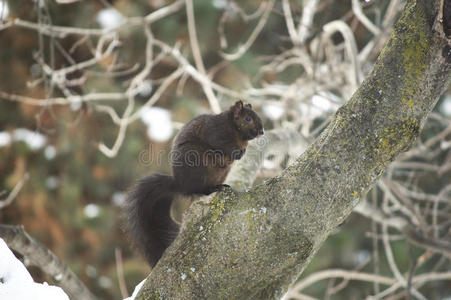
(202, 155)
(147, 215)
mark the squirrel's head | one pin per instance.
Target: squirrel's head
(246, 121)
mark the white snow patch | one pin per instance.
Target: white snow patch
(34, 140)
(183, 276)
(17, 284)
(91, 210)
(4, 10)
(159, 123)
(118, 198)
(58, 277)
(273, 111)
(105, 282)
(75, 103)
(309, 110)
(361, 257)
(5, 139)
(109, 18)
(270, 163)
(445, 107)
(52, 182)
(144, 88)
(220, 4)
(50, 152)
(137, 288)
(321, 102)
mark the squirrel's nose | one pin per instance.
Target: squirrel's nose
(261, 132)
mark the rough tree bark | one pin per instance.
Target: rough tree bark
(252, 245)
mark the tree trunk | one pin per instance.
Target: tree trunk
(252, 245)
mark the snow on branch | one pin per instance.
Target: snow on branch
(17, 284)
(36, 254)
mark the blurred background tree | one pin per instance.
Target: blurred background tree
(91, 93)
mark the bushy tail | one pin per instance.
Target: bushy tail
(147, 215)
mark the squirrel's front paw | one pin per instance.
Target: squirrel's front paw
(216, 188)
(221, 187)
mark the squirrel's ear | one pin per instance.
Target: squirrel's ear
(248, 105)
(237, 108)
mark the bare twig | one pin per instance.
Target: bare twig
(61, 100)
(351, 47)
(305, 25)
(14, 192)
(214, 104)
(357, 9)
(345, 274)
(63, 31)
(290, 22)
(120, 272)
(261, 23)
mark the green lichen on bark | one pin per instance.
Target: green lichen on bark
(258, 236)
(416, 49)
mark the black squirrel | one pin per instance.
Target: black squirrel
(202, 154)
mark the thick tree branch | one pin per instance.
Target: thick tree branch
(19, 240)
(252, 245)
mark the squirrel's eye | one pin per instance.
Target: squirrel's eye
(248, 119)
